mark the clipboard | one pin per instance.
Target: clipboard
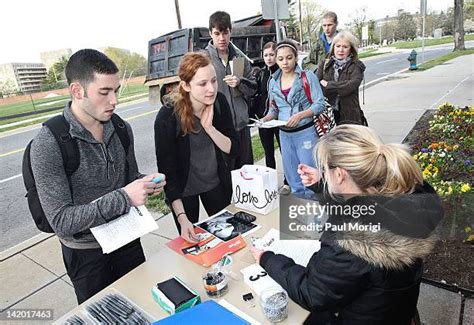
(237, 67)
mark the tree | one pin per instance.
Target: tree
(129, 63)
(469, 9)
(373, 36)
(293, 29)
(56, 72)
(406, 27)
(447, 21)
(7, 88)
(311, 14)
(357, 22)
(458, 26)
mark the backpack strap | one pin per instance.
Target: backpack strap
(306, 86)
(59, 127)
(122, 131)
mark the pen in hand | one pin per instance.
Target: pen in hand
(257, 121)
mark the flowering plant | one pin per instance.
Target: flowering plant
(445, 156)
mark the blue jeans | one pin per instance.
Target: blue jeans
(297, 148)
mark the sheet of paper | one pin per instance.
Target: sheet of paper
(237, 66)
(300, 251)
(124, 229)
(269, 124)
(224, 303)
(258, 279)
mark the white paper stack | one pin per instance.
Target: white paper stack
(123, 230)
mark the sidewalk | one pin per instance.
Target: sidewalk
(36, 278)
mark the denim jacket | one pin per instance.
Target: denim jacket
(283, 108)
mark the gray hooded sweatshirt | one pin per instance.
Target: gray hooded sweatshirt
(96, 195)
(247, 86)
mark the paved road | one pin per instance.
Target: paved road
(382, 65)
(16, 223)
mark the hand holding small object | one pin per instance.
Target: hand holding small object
(231, 81)
(308, 175)
(256, 253)
(187, 229)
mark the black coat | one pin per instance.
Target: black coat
(259, 101)
(173, 149)
(363, 277)
(347, 88)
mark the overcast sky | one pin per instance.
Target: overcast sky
(29, 27)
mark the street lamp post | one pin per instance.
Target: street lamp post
(423, 8)
(178, 15)
(300, 22)
(277, 21)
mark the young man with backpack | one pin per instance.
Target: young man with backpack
(106, 182)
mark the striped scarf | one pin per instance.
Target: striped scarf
(339, 64)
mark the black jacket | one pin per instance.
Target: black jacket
(363, 277)
(173, 151)
(347, 88)
(259, 101)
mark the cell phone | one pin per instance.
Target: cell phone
(157, 179)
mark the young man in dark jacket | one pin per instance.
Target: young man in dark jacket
(105, 185)
(234, 88)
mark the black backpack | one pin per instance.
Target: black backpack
(59, 127)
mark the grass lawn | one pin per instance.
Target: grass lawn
(126, 97)
(27, 106)
(60, 101)
(369, 53)
(429, 42)
(440, 60)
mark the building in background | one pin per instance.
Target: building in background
(51, 57)
(27, 77)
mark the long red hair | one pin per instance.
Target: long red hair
(188, 66)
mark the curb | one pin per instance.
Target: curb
(33, 241)
(381, 79)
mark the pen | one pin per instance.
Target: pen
(111, 316)
(114, 309)
(138, 211)
(105, 315)
(122, 301)
(116, 303)
(120, 310)
(96, 315)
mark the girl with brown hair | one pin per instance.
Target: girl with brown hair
(194, 135)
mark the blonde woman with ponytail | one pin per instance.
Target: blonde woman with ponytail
(194, 133)
(382, 216)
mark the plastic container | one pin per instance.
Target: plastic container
(215, 283)
(274, 302)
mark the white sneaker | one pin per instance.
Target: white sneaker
(285, 190)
